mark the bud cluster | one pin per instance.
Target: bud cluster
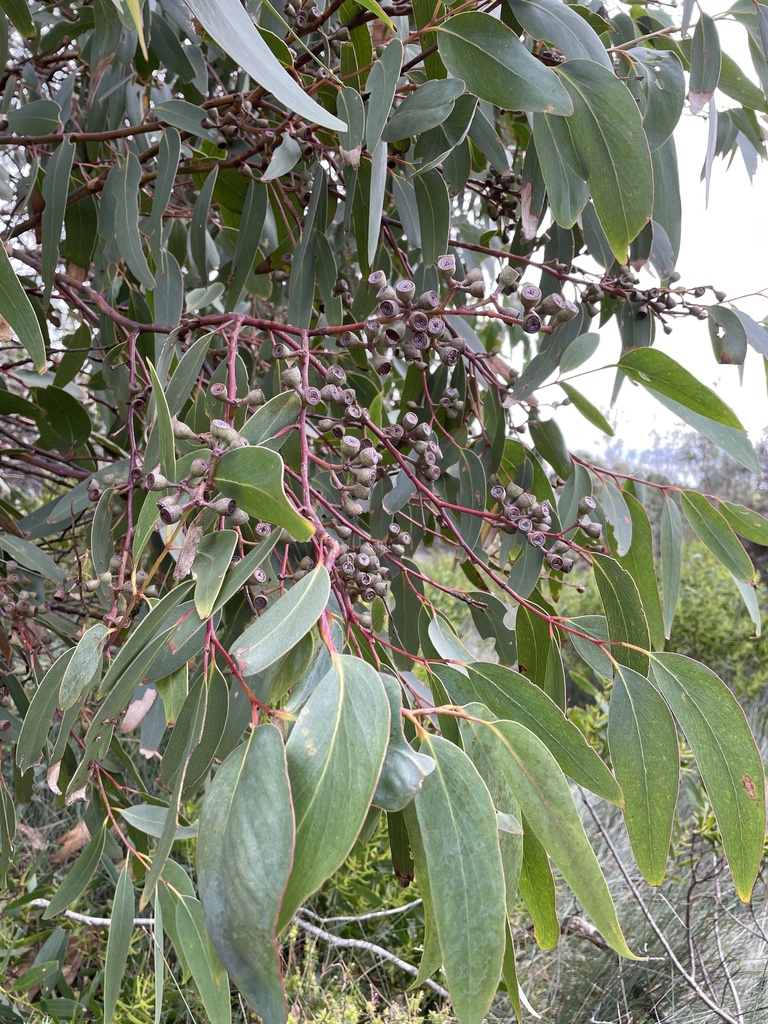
(522, 513)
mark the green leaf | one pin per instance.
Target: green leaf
(537, 887)
(639, 563)
(375, 8)
(126, 189)
(496, 66)
(349, 105)
(431, 955)
(198, 225)
(209, 976)
(727, 755)
(713, 530)
(607, 134)
(547, 804)
(559, 24)
(38, 117)
(618, 515)
(567, 190)
(377, 197)
(671, 560)
(425, 108)
(18, 311)
(624, 612)
(510, 696)
(119, 942)
(657, 372)
(186, 117)
(84, 667)
(504, 801)
(458, 829)
(253, 476)
(20, 15)
(381, 85)
(646, 760)
(590, 412)
(550, 444)
(404, 769)
(335, 753)
(228, 23)
(244, 858)
(434, 214)
(706, 57)
(272, 419)
(248, 241)
(78, 876)
(55, 186)
(151, 819)
(212, 561)
(40, 714)
(241, 571)
(164, 427)
(31, 557)
(284, 622)
(660, 91)
(745, 521)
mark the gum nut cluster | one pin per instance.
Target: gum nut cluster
(523, 513)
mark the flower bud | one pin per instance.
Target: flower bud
(240, 517)
(291, 377)
(508, 278)
(199, 467)
(155, 481)
(221, 431)
(182, 432)
(530, 296)
(446, 266)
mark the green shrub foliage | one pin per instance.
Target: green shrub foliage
(281, 286)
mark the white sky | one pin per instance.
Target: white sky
(723, 244)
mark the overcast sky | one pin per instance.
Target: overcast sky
(724, 244)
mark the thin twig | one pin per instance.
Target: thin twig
(361, 917)
(96, 922)
(370, 947)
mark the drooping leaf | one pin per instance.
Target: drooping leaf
(119, 941)
(537, 887)
(244, 857)
(425, 108)
(54, 192)
(660, 373)
(559, 24)
(458, 829)
(727, 755)
(335, 754)
(404, 769)
(209, 976)
(706, 57)
(510, 696)
(84, 666)
(713, 530)
(496, 66)
(548, 806)
(31, 557)
(381, 85)
(434, 208)
(78, 876)
(40, 714)
(229, 24)
(608, 137)
(285, 621)
(17, 310)
(671, 560)
(627, 623)
(645, 756)
(253, 476)
(212, 561)
(639, 563)
(164, 427)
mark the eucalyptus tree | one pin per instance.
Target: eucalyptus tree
(282, 291)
